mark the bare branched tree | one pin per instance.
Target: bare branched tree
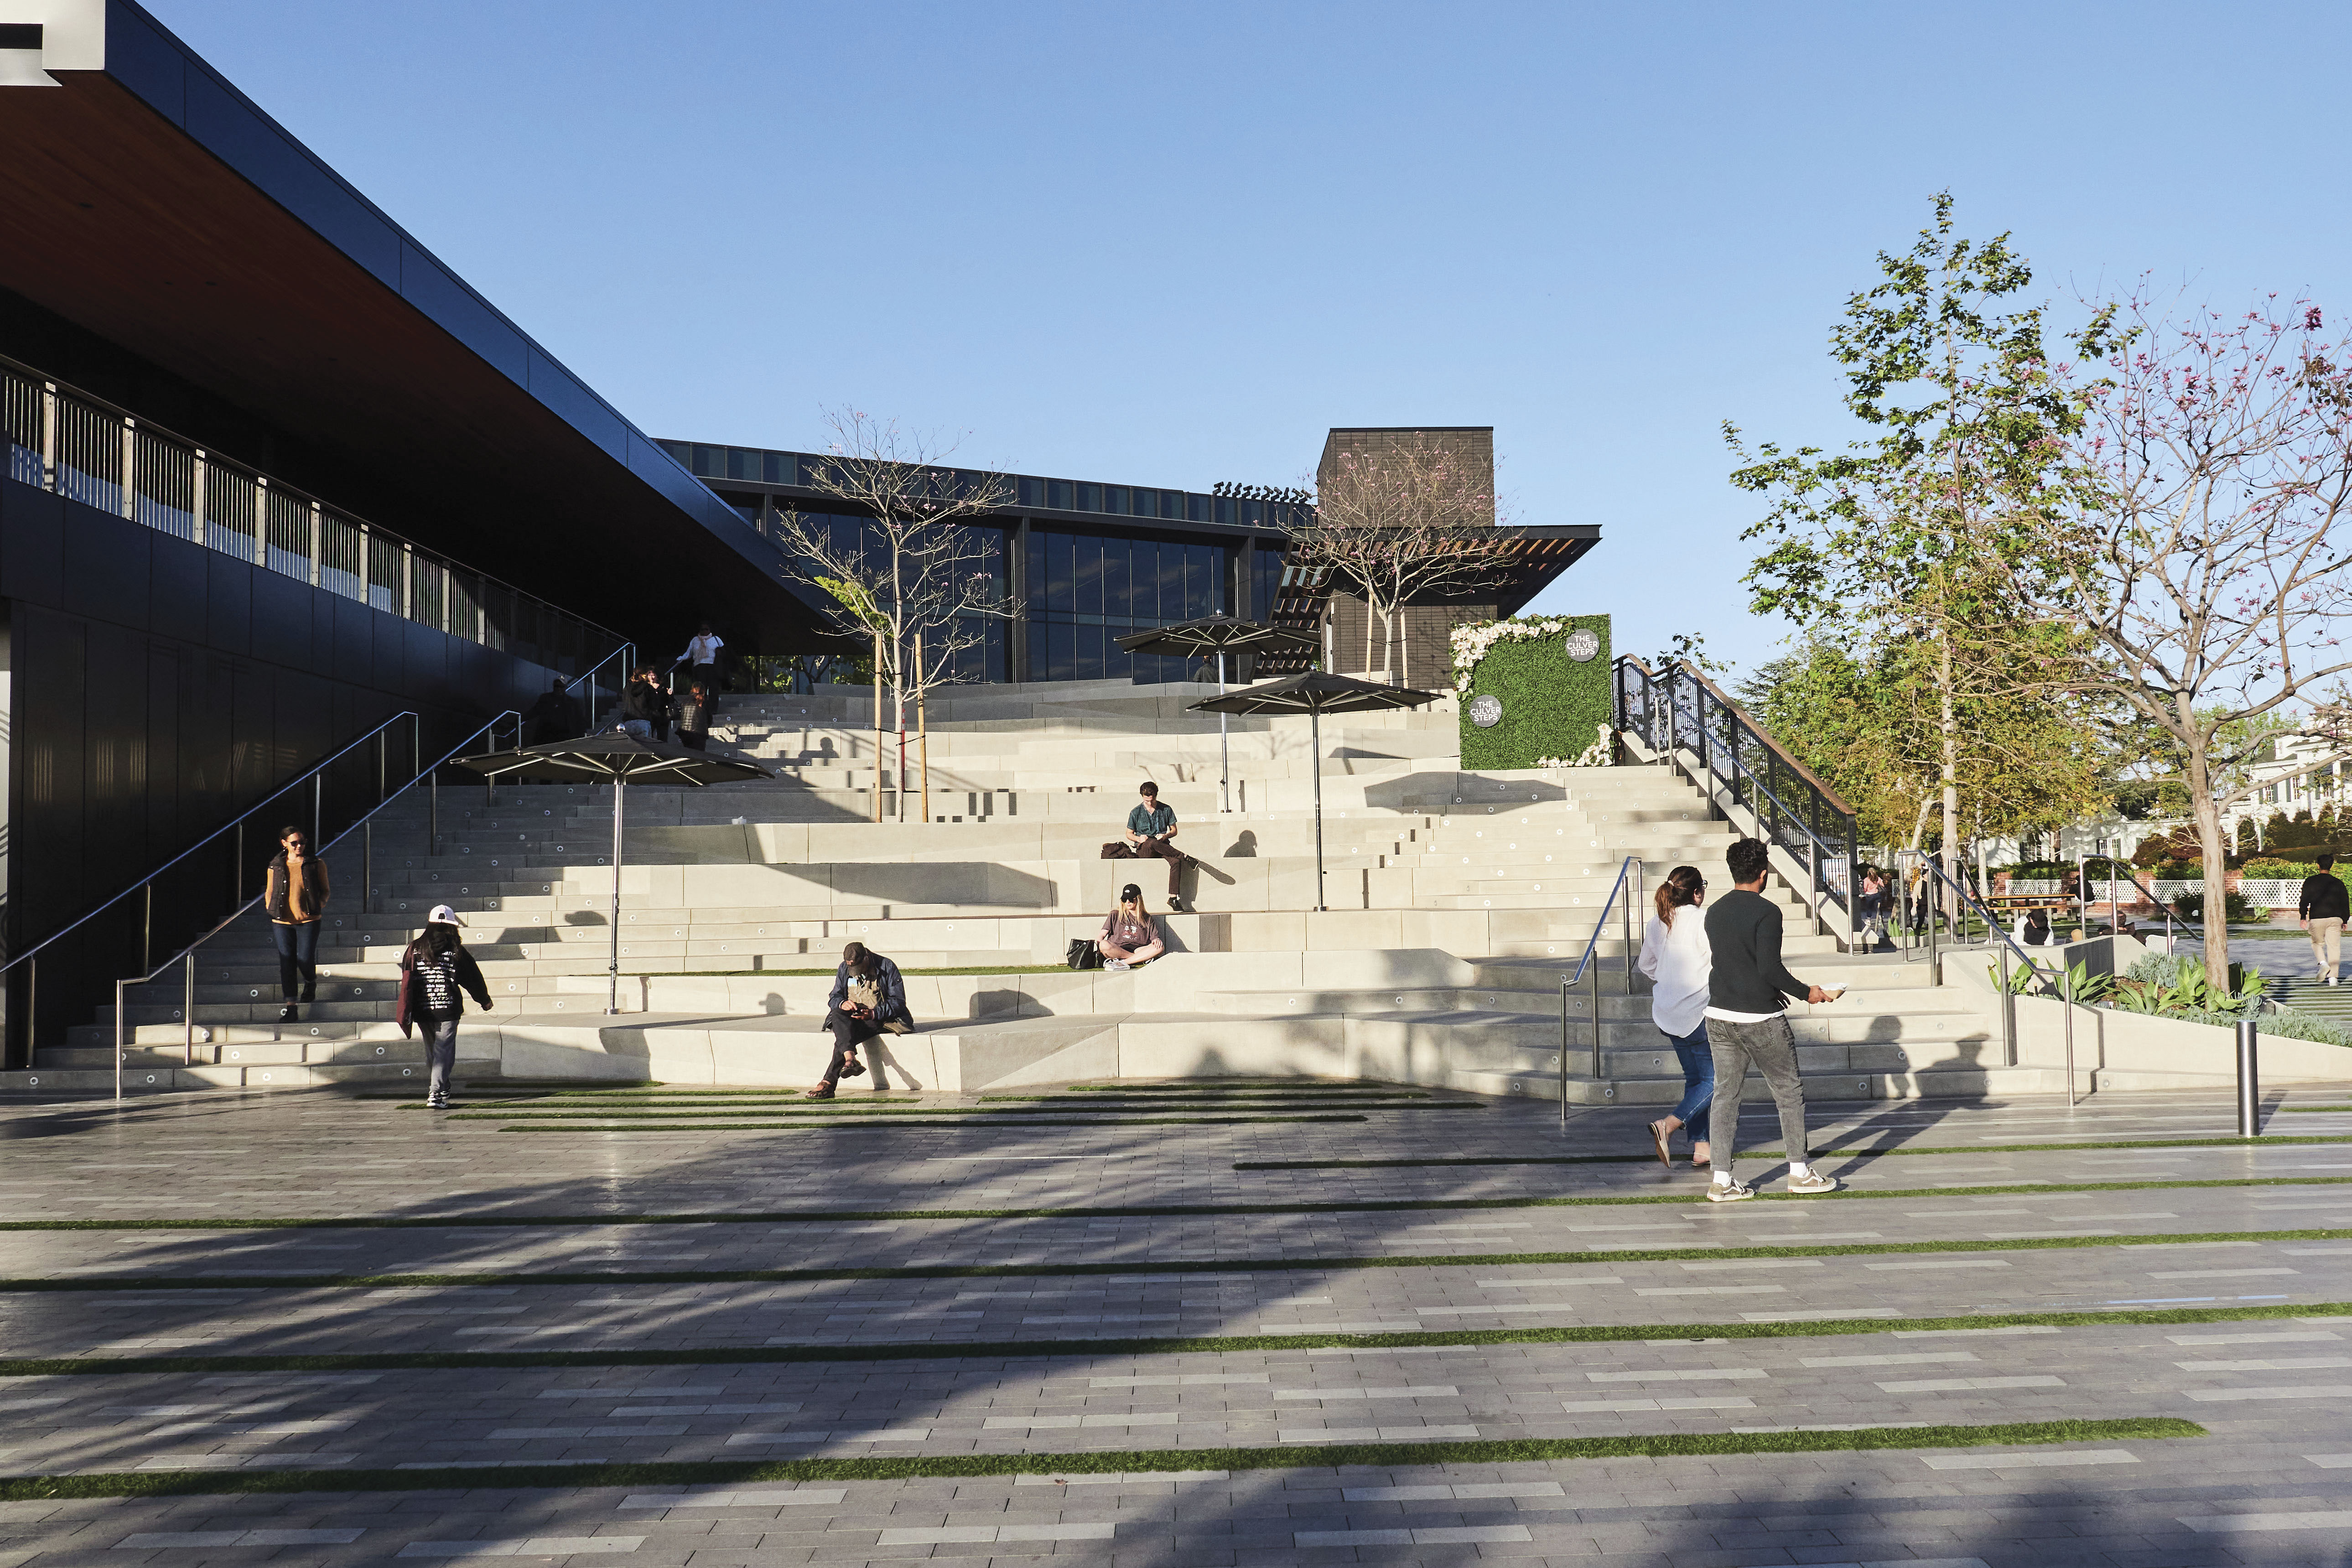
(2206, 554)
(1407, 523)
(914, 575)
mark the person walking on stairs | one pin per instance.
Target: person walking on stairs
(694, 717)
(1747, 1020)
(701, 658)
(868, 999)
(642, 704)
(1675, 957)
(2323, 910)
(1151, 835)
(554, 717)
(434, 970)
(1129, 934)
(295, 895)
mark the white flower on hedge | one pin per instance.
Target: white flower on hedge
(1471, 643)
(1599, 754)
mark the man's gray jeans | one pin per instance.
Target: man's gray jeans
(1773, 1047)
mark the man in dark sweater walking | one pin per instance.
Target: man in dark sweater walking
(2323, 910)
(1747, 1020)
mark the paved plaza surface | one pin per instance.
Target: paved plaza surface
(737, 1328)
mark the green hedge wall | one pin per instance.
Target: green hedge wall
(1551, 703)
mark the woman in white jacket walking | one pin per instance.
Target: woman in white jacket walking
(1676, 958)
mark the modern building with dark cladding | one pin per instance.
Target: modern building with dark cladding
(1086, 562)
(270, 475)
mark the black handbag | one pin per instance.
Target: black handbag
(1083, 954)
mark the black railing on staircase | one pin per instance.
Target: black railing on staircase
(1681, 717)
(428, 775)
(1623, 894)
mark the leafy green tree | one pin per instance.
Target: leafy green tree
(1913, 535)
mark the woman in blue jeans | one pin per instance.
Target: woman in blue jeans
(1676, 956)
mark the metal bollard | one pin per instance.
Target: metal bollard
(2250, 1088)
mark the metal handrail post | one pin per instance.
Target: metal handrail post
(1593, 995)
(147, 931)
(1626, 922)
(119, 1048)
(188, 1012)
(367, 866)
(433, 814)
(2066, 1000)
(2250, 1088)
(237, 895)
(2008, 1011)
(1563, 1054)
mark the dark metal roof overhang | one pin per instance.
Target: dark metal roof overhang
(146, 201)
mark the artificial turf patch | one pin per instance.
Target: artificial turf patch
(840, 1350)
(605, 1125)
(1377, 1456)
(412, 1281)
(1690, 1195)
(1819, 1152)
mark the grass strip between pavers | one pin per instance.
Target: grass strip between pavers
(820, 1111)
(1118, 1347)
(1691, 1195)
(867, 1123)
(1091, 1462)
(1820, 1152)
(1665, 1254)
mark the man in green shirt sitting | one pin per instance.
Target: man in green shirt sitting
(1150, 834)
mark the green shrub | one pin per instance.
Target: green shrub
(2236, 906)
(2279, 870)
(2286, 1023)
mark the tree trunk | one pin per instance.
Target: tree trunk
(923, 725)
(899, 713)
(1951, 845)
(878, 726)
(2216, 921)
(1372, 614)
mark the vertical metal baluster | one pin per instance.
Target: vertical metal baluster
(120, 1046)
(147, 932)
(188, 1011)
(318, 810)
(433, 814)
(367, 866)
(2008, 1011)
(1593, 996)
(1563, 1056)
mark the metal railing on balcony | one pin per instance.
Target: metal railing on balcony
(62, 439)
(1681, 717)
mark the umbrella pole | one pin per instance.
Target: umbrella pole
(1224, 751)
(1315, 761)
(612, 971)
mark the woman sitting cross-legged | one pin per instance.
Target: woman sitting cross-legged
(868, 999)
(1130, 935)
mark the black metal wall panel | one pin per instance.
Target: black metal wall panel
(157, 689)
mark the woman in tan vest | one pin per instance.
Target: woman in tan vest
(294, 894)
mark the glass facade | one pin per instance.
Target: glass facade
(1082, 591)
(1085, 591)
(984, 659)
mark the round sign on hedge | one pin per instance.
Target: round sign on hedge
(1582, 646)
(1486, 711)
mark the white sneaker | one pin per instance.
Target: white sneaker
(1814, 1181)
(1116, 964)
(1728, 1192)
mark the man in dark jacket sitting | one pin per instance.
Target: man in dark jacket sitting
(2323, 910)
(868, 999)
(1151, 835)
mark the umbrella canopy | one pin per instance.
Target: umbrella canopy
(1214, 634)
(623, 759)
(1314, 694)
(1219, 634)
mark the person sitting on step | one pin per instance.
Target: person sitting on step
(1129, 934)
(868, 999)
(1151, 835)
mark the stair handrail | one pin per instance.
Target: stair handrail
(312, 775)
(187, 955)
(2131, 875)
(1659, 696)
(1630, 867)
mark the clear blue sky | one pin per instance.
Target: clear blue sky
(1173, 244)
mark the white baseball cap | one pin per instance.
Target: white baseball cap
(443, 915)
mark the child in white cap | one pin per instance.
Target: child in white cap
(433, 971)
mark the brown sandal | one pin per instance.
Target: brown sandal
(1659, 1134)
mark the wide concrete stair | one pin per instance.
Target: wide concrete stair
(1455, 905)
